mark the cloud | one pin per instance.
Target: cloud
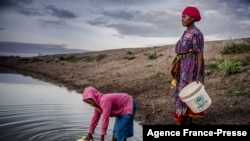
(47, 11)
(122, 14)
(136, 22)
(5, 4)
(31, 12)
(56, 23)
(60, 13)
(49, 15)
(117, 23)
(225, 18)
(122, 2)
(139, 20)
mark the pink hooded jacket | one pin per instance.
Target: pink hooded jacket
(112, 104)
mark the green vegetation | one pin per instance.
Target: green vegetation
(129, 52)
(129, 56)
(100, 57)
(241, 91)
(229, 62)
(229, 67)
(157, 74)
(152, 55)
(96, 58)
(233, 47)
(244, 59)
(218, 58)
(207, 72)
(70, 58)
(88, 58)
(30, 60)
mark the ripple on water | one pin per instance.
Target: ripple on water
(57, 134)
(46, 113)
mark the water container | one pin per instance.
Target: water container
(83, 139)
(196, 97)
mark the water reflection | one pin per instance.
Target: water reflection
(33, 110)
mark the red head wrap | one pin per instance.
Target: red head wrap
(192, 12)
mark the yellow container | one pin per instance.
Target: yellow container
(83, 139)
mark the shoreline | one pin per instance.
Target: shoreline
(147, 80)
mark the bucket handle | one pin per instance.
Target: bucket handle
(193, 93)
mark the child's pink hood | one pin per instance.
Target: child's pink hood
(91, 92)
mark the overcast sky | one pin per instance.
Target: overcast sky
(112, 24)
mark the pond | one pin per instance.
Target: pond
(33, 110)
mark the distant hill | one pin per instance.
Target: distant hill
(32, 49)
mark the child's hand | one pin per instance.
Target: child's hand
(84, 138)
(89, 137)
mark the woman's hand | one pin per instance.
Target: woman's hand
(199, 62)
(197, 79)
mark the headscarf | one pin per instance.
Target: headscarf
(192, 12)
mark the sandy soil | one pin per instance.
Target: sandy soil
(148, 80)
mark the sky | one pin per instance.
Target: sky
(112, 24)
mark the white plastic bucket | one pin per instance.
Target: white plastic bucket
(196, 97)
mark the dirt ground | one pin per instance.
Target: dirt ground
(148, 80)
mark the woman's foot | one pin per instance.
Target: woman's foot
(184, 120)
(189, 121)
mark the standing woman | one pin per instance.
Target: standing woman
(188, 65)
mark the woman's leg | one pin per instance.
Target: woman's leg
(189, 120)
(184, 120)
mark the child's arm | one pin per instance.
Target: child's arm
(94, 121)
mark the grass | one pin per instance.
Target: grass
(229, 67)
(231, 59)
(95, 58)
(233, 47)
(129, 56)
(152, 55)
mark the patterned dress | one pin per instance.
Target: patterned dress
(191, 42)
